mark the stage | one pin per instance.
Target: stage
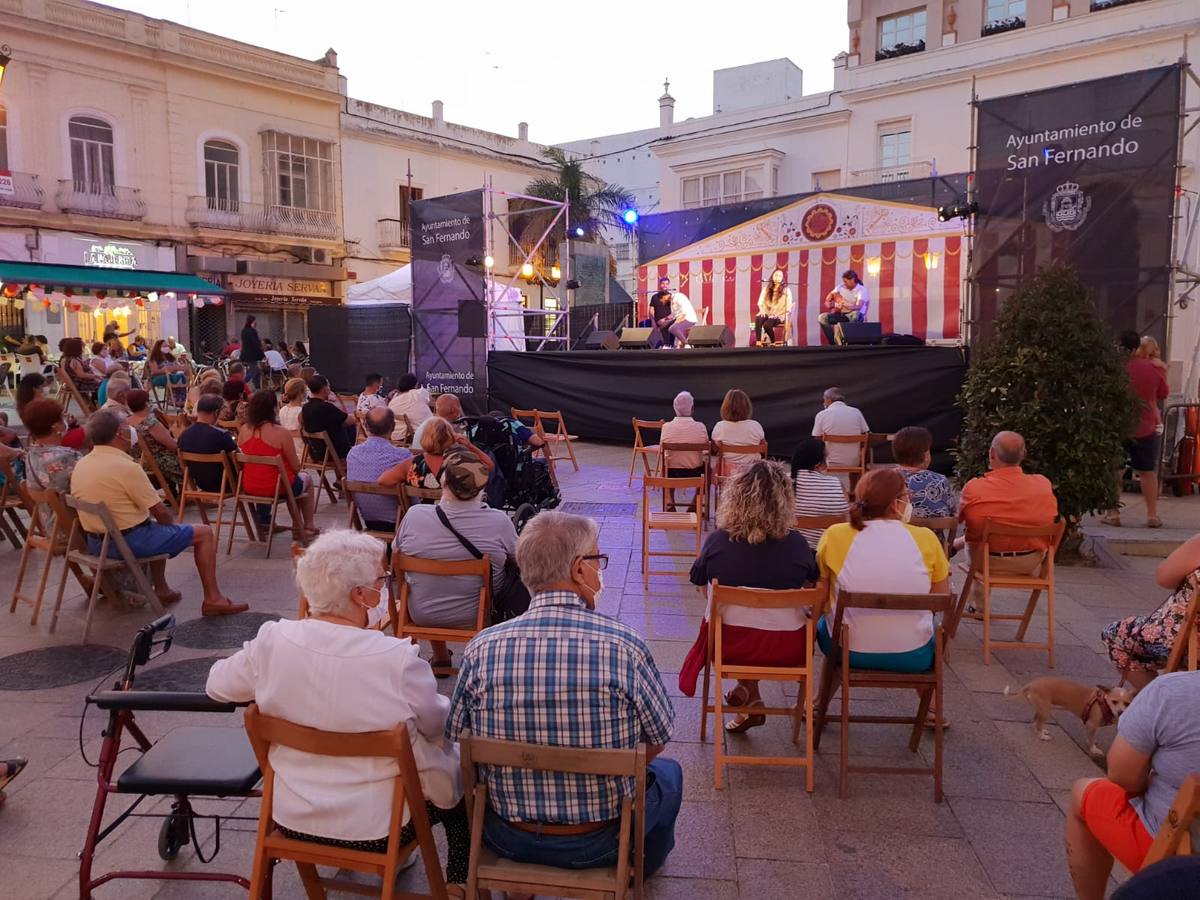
(599, 392)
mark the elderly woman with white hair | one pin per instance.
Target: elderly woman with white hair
(683, 429)
(333, 671)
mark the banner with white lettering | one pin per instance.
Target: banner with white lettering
(449, 313)
(1082, 174)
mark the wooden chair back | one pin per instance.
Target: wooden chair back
(411, 495)
(191, 492)
(329, 460)
(357, 522)
(1177, 834)
(243, 501)
(11, 504)
(398, 606)
(853, 471)
(928, 684)
(45, 533)
(811, 601)
(74, 395)
(877, 439)
(642, 450)
(818, 523)
(487, 871)
(670, 520)
(556, 436)
(1186, 649)
(150, 464)
(945, 527)
(266, 732)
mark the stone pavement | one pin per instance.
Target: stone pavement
(997, 834)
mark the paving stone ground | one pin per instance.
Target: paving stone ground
(997, 834)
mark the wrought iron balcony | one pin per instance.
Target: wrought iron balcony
(918, 168)
(235, 215)
(393, 234)
(26, 192)
(106, 201)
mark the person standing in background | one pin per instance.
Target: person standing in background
(252, 351)
(1149, 383)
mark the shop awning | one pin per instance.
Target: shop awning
(54, 277)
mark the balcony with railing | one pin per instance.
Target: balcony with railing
(393, 234)
(21, 190)
(918, 168)
(237, 215)
(105, 201)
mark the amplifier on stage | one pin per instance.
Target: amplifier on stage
(862, 332)
(710, 336)
(641, 339)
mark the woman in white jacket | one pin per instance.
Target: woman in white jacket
(334, 672)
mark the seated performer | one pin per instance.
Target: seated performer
(847, 303)
(660, 312)
(774, 307)
(684, 316)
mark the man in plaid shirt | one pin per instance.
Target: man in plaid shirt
(563, 675)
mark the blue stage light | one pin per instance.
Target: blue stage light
(579, 232)
(630, 216)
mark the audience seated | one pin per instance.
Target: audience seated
(233, 402)
(932, 494)
(155, 437)
(371, 398)
(453, 601)
(411, 401)
(237, 373)
(817, 493)
(1008, 496)
(262, 436)
(205, 437)
(334, 672)
(322, 413)
(114, 391)
(683, 429)
(102, 362)
(206, 378)
(1139, 645)
(736, 427)
(754, 546)
(162, 369)
(295, 394)
(72, 363)
(843, 421)
(593, 685)
(107, 475)
(437, 436)
(877, 551)
(30, 387)
(370, 459)
(1156, 748)
(48, 464)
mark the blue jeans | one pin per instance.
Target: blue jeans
(664, 791)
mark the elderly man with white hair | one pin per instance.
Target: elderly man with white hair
(563, 675)
(837, 418)
(333, 671)
(683, 429)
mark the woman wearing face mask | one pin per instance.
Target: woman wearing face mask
(333, 672)
(877, 551)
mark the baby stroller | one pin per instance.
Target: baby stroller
(520, 484)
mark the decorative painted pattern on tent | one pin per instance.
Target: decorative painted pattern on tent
(911, 264)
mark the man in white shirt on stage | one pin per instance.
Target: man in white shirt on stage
(684, 315)
(844, 421)
(846, 303)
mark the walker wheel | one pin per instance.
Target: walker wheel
(523, 514)
(173, 835)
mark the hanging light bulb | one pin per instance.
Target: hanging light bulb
(555, 272)
(873, 265)
(152, 296)
(932, 258)
(527, 270)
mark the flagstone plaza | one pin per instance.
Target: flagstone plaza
(998, 832)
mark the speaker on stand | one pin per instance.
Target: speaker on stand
(710, 336)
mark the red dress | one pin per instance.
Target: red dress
(259, 479)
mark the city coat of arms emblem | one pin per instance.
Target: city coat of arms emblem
(1067, 208)
(446, 269)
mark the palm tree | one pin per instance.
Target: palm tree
(594, 204)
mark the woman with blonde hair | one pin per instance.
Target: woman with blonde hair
(436, 437)
(207, 376)
(737, 428)
(1148, 349)
(754, 546)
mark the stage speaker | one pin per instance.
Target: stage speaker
(472, 318)
(902, 340)
(640, 339)
(862, 332)
(601, 340)
(710, 336)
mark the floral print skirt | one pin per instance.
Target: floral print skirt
(1145, 642)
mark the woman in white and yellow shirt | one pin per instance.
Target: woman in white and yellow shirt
(877, 551)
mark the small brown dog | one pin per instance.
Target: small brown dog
(1096, 707)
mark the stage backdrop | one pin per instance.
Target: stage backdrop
(598, 391)
(449, 313)
(1082, 174)
(911, 263)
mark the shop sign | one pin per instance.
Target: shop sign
(275, 285)
(7, 188)
(111, 256)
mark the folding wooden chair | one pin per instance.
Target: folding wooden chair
(1186, 649)
(244, 502)
(557, 437)
(150, 464)
(411, 495)
(1042, 579)
(11, 504)
(407, 440)
(1175, 834)
(357, 522)
(47, 533)
(398, 607)
(490, 871)
(803, 675)
(664, 466)
(879, 439)
(74, 395)
(266, 732)
(329, 460)
(6, 372)
(643, 451)
(190, 492)
(101, 563)
(669, 521)
(856, 471)
(531, 418)
(723, 469)
(838, 673)
(945, 527)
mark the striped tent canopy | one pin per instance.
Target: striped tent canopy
(912, 266)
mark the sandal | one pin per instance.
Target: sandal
(12, 768)
(737, 696)
(1155, 522)
(744, 723)
(441, 667)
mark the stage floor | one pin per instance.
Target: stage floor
(600, 392)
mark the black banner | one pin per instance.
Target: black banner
(1082, 174)
(448, 297)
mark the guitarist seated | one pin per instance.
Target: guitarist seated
(846, 303)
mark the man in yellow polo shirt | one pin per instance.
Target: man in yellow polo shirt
(110, 476)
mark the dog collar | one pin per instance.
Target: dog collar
(1107, 716)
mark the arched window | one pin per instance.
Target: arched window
(92, 155)
(221, 175)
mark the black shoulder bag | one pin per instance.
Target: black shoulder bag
(514, 598)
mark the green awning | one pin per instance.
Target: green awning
(101, 278)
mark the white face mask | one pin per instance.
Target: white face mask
(379, 611)
(133, 437)
(908, 511)
(599, 587)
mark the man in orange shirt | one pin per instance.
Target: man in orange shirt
(1008, 496)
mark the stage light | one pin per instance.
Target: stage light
(572, 285)
(873, 265)
(931, 259)
(960, 211)
(944, 214)
(579, 232)
(630, 216)
(472, 262)
(489, 261)
(527, 271)
(555, 272)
